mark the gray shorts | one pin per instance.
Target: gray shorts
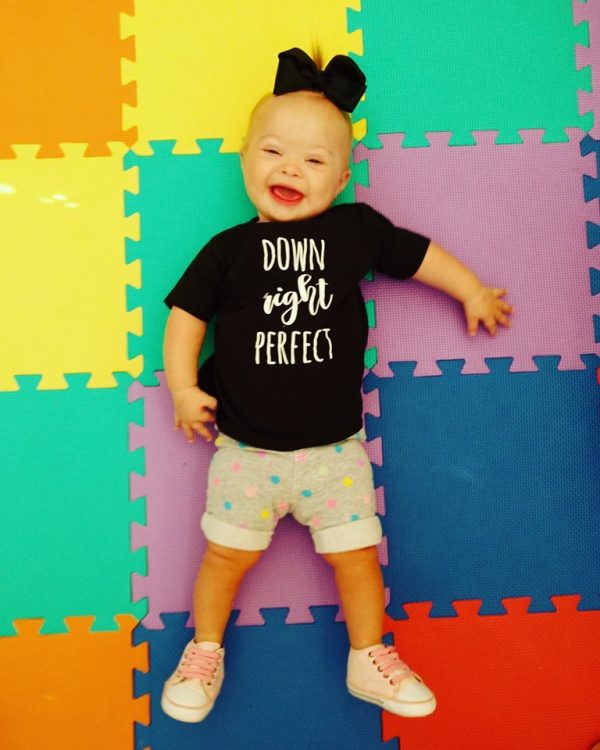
(328, 488)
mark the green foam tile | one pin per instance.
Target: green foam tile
(64, 498)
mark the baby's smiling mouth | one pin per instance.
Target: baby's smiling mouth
(286, 195)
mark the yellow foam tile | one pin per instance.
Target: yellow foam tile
(201, 67)
(64, 274)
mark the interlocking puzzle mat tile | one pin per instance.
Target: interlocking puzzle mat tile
(591, 191)
(183, 201)
(514, 214)
(62, 83)
(201, 68)
(64, 272)
(470, 66)
(71, 690)
(283, 681)
(174, 486)
(518, 680)
(589, 11)
(492, 483)
(65, 505)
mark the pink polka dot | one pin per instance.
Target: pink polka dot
(361, 462)
(316, 521)
(236, 466)
(243, 526)
(216, 481)
(283, 507)
(261, 454)
(367, 499)
(251, 491)
(300, 456)
(331, 503)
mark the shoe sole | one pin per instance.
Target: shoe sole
(184, 713)
(406, 710)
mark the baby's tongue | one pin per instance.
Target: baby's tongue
(286, 194)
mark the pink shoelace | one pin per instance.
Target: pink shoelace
(388, 662)
(199, 664)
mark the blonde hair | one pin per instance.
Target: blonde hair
(318, 58)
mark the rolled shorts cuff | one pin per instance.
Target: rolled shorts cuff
(228, 535)
(353, 535)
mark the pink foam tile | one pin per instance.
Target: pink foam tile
(290, 574)
(513, 213)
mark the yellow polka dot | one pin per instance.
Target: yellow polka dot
(348, 481)
(219, 441)
(265, 514)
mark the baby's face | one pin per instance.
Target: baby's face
(295, 158)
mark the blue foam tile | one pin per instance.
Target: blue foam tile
(284, 687)
(491, 483)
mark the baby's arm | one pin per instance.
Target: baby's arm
(184, 336)
(443, 271)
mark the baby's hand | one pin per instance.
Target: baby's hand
(193, 408)
(488, 307)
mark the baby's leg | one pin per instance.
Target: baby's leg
(375, 671)
(220, 575)
(360, 585)
(191, 691)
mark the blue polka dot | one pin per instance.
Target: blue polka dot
(227, 505)
(339, 448)
(275, 479)
(243, 445)
(307, 493)
(354, 517)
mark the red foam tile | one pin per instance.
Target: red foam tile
(518, 681)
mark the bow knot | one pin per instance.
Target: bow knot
(342, 81)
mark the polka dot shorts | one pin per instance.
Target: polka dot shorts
(328, 488)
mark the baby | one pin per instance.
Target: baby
(291, 330)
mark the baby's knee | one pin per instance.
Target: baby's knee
(235, 559)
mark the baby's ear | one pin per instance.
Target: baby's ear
(344, 178)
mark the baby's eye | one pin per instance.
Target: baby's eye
(271, 151)
(315, 160)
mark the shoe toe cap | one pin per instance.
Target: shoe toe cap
(413, 689)
(189, 693)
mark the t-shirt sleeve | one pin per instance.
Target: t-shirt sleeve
(396, 252)
(199, 289)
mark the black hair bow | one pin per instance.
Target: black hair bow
(342, 81)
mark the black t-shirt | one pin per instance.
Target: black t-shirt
(291, 326)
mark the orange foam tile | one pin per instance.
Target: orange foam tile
(518, 681)
(74, 690)
(61, 77)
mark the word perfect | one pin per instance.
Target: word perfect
(289, 348)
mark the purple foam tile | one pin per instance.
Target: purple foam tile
(290, 574)
(516, 215)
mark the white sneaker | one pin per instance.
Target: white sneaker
(191, 691)
(377, 674)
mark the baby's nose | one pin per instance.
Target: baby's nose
(291, 167)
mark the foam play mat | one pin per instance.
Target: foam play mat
(120, 129)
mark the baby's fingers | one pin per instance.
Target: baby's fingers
(490, 324)
(202, 430)
(189, 432)
(472, 324)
